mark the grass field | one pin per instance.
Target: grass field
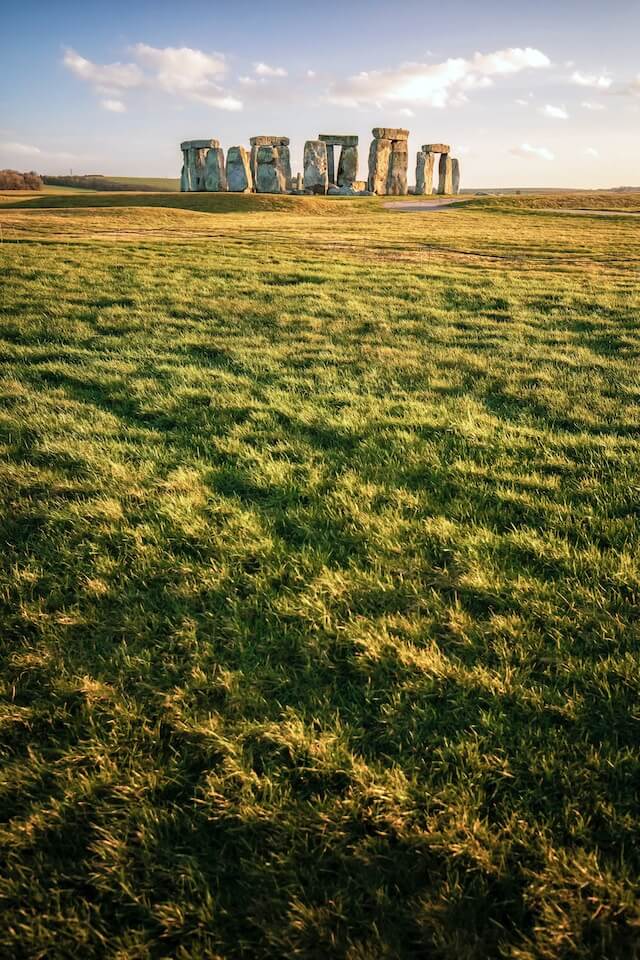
(320, 584)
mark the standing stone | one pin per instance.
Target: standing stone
(239, 178)
(299, 182)
(379, 156)
(455, 175)
(215, 178)
(284, 164)
(263, 141)
(269, 177)
(194, 154)
(315, 166)
(348, 166)
(424, 173)
(398, 167)
(445, 179)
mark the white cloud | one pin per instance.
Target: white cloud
(522, 103)
(526, 150)
(22, 149)
(180, 71)
(105, 77)
(592, 152)
(555, 113)
(264, 70)
(16, 149)
(597, 81)
(311, 74)
(407, 112)
(434, 85)
(588, 105)
(114, 106)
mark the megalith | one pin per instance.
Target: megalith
(455, 175)
(269, 177)
(239, 177)
(269, 141)
(215, 178)
(379, 154)
(398, 167)
(445, 179)
(389, 161)
(424, 173)
(348, 161)
(194, 157)
(316, 176)
(348, 166)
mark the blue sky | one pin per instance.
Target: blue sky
(544, 94)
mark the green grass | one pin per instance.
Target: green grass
(320, 583)
(164, 184)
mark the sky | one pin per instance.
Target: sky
(540, 93)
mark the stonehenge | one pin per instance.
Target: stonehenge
(316, 176)
(448, 170)
(194, 154)
(389, 161)
(266, 168)
(347, 172)
(239, 176)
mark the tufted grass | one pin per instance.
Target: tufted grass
(320, 583)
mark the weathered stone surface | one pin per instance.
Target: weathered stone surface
(215, 179)
(445, 179)
(269, 178)
(266, 141)
(390, 133)
(398, 167)
(284, 163)
(299, 181)
(436, 148)
(315, 166)
(348, 166)
(194, 154)
(239, 177)
(379, 154)
(334, 191)
(339, 139)
(199, 144)
(424, 173)
(455, 175)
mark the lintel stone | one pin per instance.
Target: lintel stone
(269, 141)
(390, 133)
(437, 148)
(199, 144)
(339, 139)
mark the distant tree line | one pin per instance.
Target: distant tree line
(95, 181)
(13, 180)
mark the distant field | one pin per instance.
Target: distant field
(320, 580)
(579, 201)
(166, 184)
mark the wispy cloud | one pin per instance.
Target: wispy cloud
(434, 85)
(598, 81)
(592, 152)
(264, 70)
(589, 105)
(16, 149)
(527, 151)
(555, 113)
(113, 106)
(179, 71)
